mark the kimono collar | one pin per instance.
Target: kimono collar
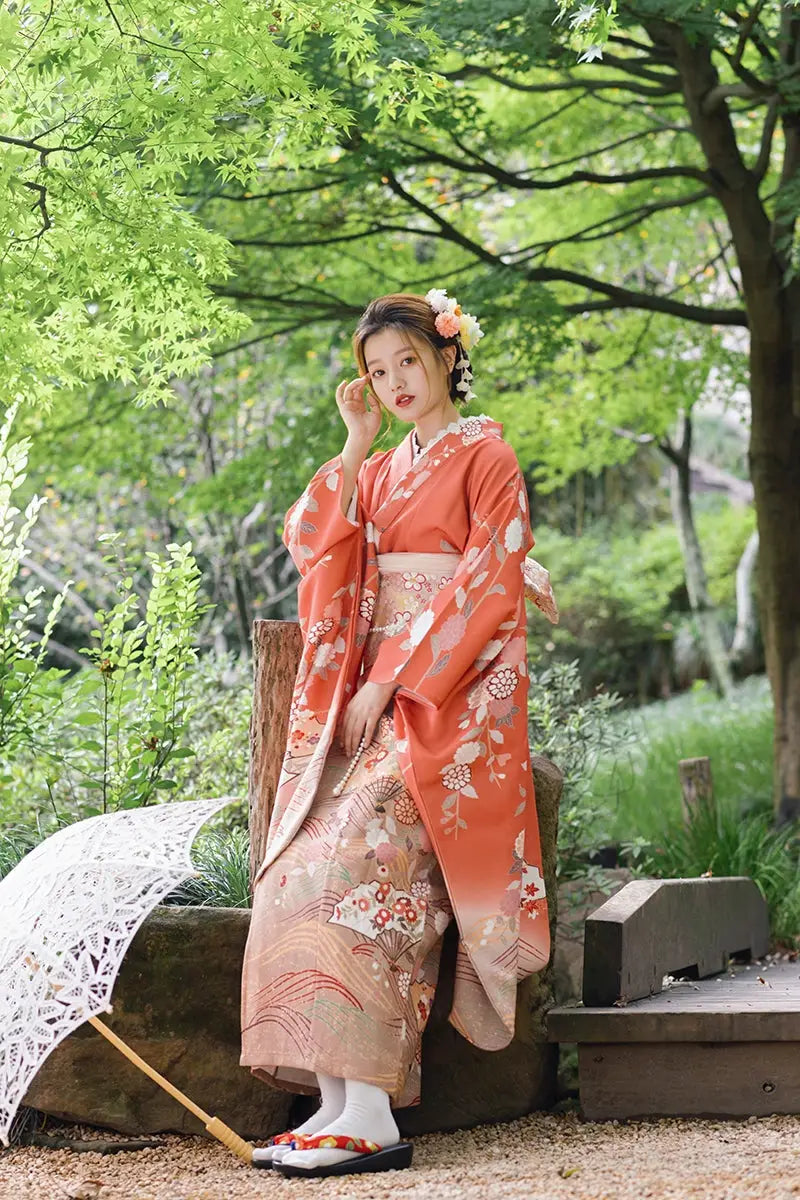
(453, 427)
(403, 458)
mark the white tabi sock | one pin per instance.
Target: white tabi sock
(332, 1102)
(367, 1114)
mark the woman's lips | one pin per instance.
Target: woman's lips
(402, 401)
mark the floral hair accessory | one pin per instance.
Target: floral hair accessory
(451, 321)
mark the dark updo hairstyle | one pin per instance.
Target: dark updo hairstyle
(408, 313)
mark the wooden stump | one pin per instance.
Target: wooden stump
(697, 789)
(277, 647)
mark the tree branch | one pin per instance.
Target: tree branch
(41, 204)
(511, 179)
(713, 99)
(592, 85)
(620, 297)
(640, 67)
(448, 231)
(617, 222)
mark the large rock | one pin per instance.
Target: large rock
(177, 1002)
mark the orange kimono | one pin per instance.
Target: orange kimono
(460, 713)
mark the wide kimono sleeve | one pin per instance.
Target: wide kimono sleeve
(326, 547)
(470, 619)
(315, 523)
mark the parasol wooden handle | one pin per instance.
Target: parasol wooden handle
(215, 1127)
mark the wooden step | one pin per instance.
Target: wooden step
(723, 1041)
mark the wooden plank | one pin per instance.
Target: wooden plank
(728, 1008)
(696, 1079)
(657, 927)
(277, 647)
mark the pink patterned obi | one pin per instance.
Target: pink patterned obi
(409, 580)
(415, 568)
(408, 583)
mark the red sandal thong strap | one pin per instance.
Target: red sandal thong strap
(330, 1141)
(282, 1139)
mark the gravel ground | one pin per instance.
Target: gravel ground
(542, 1157)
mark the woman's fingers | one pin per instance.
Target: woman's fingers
(347, 733)
(369, 730)
(355, 389)
(355, 723)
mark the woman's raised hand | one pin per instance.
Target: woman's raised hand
(362, 423)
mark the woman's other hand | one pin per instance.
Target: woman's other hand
(362, 714)
(362, 423)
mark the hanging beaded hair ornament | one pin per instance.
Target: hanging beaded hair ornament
(451, 322)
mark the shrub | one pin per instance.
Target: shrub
(619, 622)
(27, 687)
(574, 733)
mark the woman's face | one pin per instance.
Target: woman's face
(408, 378)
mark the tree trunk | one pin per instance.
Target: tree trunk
(694, 568)
(775, 470)
(773, 311)
(743, 647)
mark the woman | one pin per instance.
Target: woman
(406, 796)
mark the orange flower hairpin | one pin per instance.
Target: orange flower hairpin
(451, 320)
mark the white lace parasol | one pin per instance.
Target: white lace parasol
(70, 909)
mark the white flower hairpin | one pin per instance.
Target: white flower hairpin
(452, 321)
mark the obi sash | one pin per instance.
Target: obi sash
(536, 579)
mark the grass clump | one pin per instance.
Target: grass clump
(14, 845)
(637, 786)
(222, 862)
(723, 842)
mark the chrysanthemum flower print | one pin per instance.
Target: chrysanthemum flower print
(324, 655)
(512, 538)
(502, 683)
(405, 810)
(467, 752)
(318, 631)
(456, 776)
(452, 631)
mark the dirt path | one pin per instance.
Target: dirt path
(542, 1157)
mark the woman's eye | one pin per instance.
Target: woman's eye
(409, 358)
(375, 374)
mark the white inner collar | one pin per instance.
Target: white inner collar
(453, 427)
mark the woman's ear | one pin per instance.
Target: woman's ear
(449, 355)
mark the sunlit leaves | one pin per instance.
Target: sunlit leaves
(103, 113)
